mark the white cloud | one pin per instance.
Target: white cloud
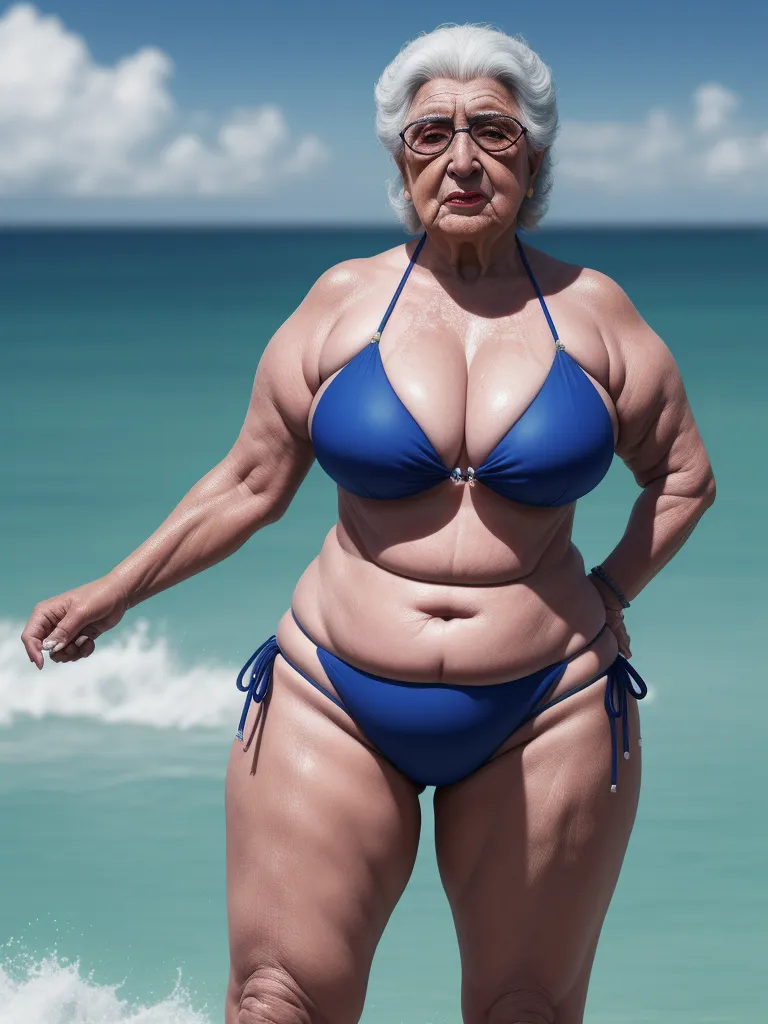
(70, 126)
(739, 158)
(713, 105)
(709, 149)
(615, 152)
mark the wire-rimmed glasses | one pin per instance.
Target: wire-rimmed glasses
(431, 136)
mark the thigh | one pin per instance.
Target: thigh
(321, 839)
(529, 849)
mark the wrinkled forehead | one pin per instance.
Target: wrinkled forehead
(450, 97)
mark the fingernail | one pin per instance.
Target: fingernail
(80, 641)
(48, 644)
(59, 646)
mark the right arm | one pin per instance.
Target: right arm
(251, 487)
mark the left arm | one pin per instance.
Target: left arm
(658, 441)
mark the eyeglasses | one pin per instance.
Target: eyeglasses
(494, 133)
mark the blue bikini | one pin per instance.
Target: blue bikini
(369, 444)
(367, 441)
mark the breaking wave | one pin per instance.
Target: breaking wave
(51, 991)
(132, 678)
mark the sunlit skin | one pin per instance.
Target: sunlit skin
(457, 585)
(473, 243)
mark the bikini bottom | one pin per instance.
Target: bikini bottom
(438, 733)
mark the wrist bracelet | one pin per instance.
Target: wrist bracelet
(601, 574)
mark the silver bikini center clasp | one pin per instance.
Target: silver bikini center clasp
(459, 477)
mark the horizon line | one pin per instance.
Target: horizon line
(226, 225)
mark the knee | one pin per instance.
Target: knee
(520, 1006)
(271, 996)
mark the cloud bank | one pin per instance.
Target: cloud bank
(77, 130)
(710, 149)
(70, 126)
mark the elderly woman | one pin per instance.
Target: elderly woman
(463, 391)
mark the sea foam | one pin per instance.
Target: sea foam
(133, 677)
(53, 992)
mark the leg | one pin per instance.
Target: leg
(529, 849)
(321, 840)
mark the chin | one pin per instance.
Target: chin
(463, 224)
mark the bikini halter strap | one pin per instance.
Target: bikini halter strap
(535, 283)
(400, 287)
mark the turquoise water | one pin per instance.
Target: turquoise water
(127, 362)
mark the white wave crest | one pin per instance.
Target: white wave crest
(52, 992)
(131, 678)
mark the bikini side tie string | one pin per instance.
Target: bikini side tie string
(257, 686)
(623, 681)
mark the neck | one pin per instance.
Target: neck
(471, 259)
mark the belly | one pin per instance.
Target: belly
(422, 630)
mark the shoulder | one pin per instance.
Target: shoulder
(353, 276)
(607, 301)
(597, 293)
(342, 286)
(336, 288)
(639, 358)
(633, 348)
(295, 348)
(616, 341)
(644, 380)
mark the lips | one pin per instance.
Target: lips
(464, 198)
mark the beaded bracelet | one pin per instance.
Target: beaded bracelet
(601, 574)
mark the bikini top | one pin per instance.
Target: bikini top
(369, 444)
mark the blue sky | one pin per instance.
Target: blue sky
(251, 112)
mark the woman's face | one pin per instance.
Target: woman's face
(500, 180)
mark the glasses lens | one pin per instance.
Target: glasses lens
(428, 137)
(496, 133)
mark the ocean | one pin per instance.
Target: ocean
(127, 361)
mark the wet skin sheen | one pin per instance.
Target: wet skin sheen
(455, 585)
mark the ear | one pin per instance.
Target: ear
(400, 164)
(534, 163)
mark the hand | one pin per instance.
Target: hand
(614, 614)
(68, 625)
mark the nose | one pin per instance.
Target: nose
(463, 156)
